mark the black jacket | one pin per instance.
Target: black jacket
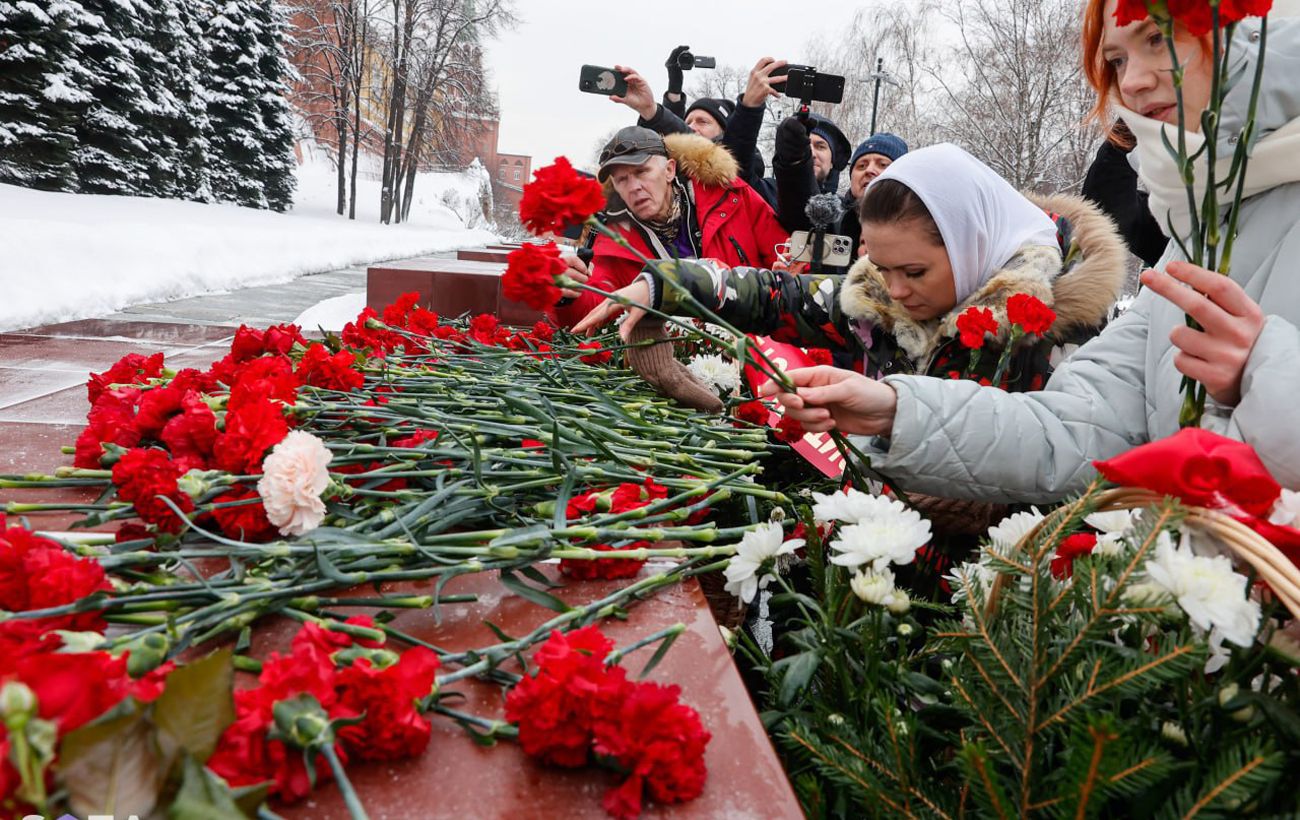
(1112, 184)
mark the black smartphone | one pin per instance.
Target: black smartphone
(779, 85)
(810, 85)
(595, 79)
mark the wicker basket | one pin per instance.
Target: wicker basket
(727, 609)
(1270, 565)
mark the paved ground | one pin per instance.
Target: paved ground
(256, 307)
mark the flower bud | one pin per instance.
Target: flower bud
(146, 654)
(904, 630)
(17, 701)
(1173, 733)
(899, 603)
(777, 515)
(1228, 694)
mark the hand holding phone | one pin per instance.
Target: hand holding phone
(594, 79)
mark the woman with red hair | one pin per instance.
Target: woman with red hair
(1123, 388)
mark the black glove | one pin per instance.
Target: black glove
(792, 147)
(675, 71)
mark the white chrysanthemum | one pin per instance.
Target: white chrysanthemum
(1286, 511)
(873, 587)
(715, 371)
(293, 477)
(750, 569)
(1208, 589)
(891, 537)
(876, 587)
(852, 506)
(1114, 526)
(1007, 533)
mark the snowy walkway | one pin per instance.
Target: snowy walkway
(254, 306)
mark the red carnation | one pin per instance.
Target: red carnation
(530, 275)
(1029, 313)
(543, 332)
(559, 197)
(251, 430)
(754, 412)
(558, 708)
(266, 377)
(319, 368)
(249, 343)
(145, 477)
(600, 356)
(37, 573)
(392, 728)
(790, 430)
(111, 420)
(191, 434)
(973, 323)
(660, 742)
(130, 369)
(245, 522)
(1081, 543)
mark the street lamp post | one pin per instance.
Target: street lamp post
(878, 77)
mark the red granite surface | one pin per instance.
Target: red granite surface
(42, 408)
(449, 287)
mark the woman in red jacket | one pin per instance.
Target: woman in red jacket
(673, 197)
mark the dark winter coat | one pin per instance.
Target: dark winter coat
(727, 219)
(1112, 183)
(796, 181)
(855, 312)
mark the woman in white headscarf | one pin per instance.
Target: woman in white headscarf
(944, 234)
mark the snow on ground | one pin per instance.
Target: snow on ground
(75, 256)
(332, 314)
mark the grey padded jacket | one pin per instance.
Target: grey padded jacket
(1121, 389)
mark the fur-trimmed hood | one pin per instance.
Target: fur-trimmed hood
(699, 159)
(1081, 289)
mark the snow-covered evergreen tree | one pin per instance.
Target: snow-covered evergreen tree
(233, 90)
(39, 94)
(176, 31)
(275, 73)
(112, 150)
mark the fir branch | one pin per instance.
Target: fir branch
(1178, 652)
(988, 727)
(826, 762)
(1100, 738)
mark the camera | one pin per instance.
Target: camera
(686, 61)
(807, 84)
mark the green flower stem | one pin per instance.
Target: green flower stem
(494, 728)
(1244, 143)
(350, 798)
(488, 657)
(619, 654)
(642, 553)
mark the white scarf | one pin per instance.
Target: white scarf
(1274, 161)
(982, 219)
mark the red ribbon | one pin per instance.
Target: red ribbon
(1205, 469)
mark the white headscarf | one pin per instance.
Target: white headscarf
(982, 219)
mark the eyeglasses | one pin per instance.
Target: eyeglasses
(623, 148)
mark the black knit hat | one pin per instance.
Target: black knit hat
(716, 107)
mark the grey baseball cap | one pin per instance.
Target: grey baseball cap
(632, 145)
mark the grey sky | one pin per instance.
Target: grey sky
(535, 66)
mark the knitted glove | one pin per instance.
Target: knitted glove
(792, 146)
(655, 363)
